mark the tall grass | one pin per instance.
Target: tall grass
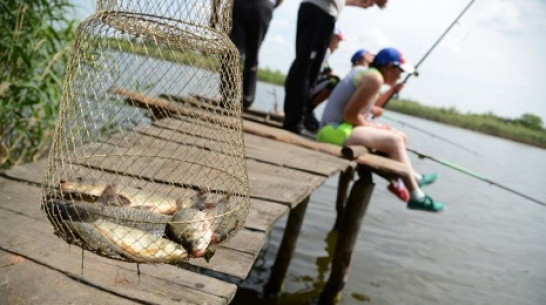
(34, 38)
(271, 76)
(528, 129)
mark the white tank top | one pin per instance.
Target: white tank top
(341, 95)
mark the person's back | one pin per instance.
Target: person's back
(345, 88)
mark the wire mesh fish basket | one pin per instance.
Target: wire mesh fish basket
(148, 162)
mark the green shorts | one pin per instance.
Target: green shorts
(333, 135)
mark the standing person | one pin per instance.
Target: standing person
(323, 86)
(250, 24)
(345, 119)
(315, 25)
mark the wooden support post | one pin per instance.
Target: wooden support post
(357, 203)
(286, 249)
(342, 187)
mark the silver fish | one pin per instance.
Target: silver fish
(192, 229)
(224, 219)
(90, 189)
(93, 240)
(64, 211)
(140, 246)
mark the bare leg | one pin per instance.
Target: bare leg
(386, 141)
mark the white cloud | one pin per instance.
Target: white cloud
(501, 15)
(492, 59)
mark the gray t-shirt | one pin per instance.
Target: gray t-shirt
(331, 7)
(340, 97)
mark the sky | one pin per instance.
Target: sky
(492, 60)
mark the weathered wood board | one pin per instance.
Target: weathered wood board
(30, 236)
(262, 214)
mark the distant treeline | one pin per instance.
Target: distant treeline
(267, 75)
(526, 129)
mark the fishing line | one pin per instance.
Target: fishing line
(473, 174)
(416, 74)
(433, 47)
(388, 117)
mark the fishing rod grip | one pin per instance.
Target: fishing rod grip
(394, 93)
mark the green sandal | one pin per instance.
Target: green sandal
(428, 204)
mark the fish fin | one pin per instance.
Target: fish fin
(208, 254)
(202, 194)
(110, 197)
(198, 200)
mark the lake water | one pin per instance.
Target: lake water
(487, 247)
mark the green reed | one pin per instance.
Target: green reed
(527, 129)
(34, 38)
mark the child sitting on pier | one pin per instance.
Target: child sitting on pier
(345, 119)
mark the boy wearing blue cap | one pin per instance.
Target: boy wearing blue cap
(345, 119)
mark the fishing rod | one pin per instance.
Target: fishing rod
(388, 117)
(430, 50)
(473, 174)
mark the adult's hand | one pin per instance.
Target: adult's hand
(376, 112)
(360, 3)
(398, 87)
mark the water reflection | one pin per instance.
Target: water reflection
(251, 291)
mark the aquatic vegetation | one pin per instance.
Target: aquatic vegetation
(526, 129)
(34, 44)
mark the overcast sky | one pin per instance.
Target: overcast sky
(492, 60)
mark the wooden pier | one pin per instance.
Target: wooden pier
(284, 169)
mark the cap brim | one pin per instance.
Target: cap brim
(408, 68)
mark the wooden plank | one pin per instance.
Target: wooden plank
(28, 172)
(269, 182)
(263, 119)
(198, 128)
(292, 156)
(289, 137)
(283, 185)
(25, 285)
(179, 137)
(29, 235)
(387, 168)
(246, 247)
(262, 214)
(256, 147)
(167, 108)
(192, 167)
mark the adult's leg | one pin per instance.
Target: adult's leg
(313, 33)
(388, 142)
(238, 37)
(258, 16)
